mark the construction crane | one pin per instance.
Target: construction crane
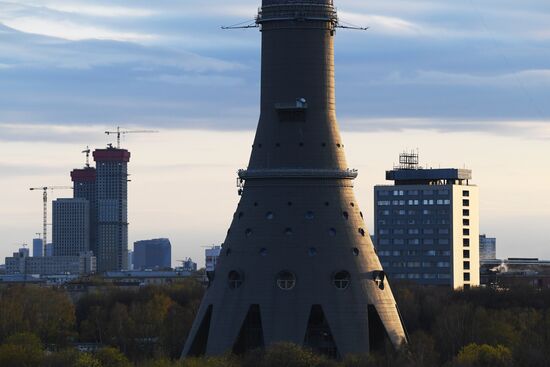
(45, 210)
(119, 132)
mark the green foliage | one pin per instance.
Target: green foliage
(45, 312)
(148, 326)
(474, 355)
(286, 355)
(111, 357)
(21, 350)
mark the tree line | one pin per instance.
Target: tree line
(148, 327)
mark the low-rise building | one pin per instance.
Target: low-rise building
(21, 263)
(515, 272)
(145, 277)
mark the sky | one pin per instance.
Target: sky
(467, 83)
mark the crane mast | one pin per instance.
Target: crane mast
(45, 210)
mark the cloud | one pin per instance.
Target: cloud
(72, 31)
(521, 78)
(533, 129)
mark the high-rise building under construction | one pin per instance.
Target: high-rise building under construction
(84, 187)
(112, 208)
(297, 264)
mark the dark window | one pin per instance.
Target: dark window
(466, 254)
(288, 231)
(312, 251)
(466, 202)
(332, 232)
(292, 115)
(466, 265)
(341, 279)
(345, 215)
(465, 231)
(466, 241)
(466, 212)
(467, 276)
(269, 215)
(263, 252)
(355, 251)
(361, 232)
(309, 215)
(248, 232)
(235, 279)
(465, 193)
(465, 222)
(352, 204)
(241, 214)
(286, 280)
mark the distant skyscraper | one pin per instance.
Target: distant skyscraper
(112, 208)
(49, 249)
(130, 260)
(487, 248)
(84, 187)
(153, 254)
(71, 227)
(427, 225)
(37, 247)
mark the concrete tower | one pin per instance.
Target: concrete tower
(84, 187)
(112, 208)
(298, 264)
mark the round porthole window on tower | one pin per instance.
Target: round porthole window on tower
(235, 279)
(286, 280)
(341, 279)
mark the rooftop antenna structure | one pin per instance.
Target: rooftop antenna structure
(120, 132)
(87, 152)
(409, 160)
(45, 210)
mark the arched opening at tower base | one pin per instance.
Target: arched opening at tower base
(198, 348)
(378, 336)
(251, 335)
(318, 335)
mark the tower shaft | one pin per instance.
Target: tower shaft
(297, 264)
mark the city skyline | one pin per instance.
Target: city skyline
(481, 106)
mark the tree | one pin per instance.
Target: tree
(475, 355)
(21, 350)
(111, 357)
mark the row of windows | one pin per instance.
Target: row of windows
(414, 212)
(383, 231)
(286, 280)
(412, 221)
(417, 264)
(289, 232)
(307, 215)
(312, 251)
(414, 202)
(421, 276)
(413, 241)
(415, 253)
(412, 192)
